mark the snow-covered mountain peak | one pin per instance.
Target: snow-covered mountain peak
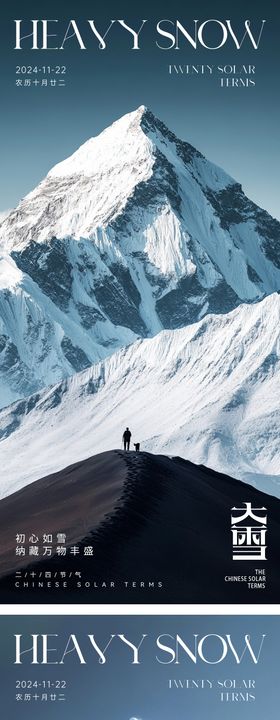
(135, 232)
(93, 186)
(122, 143)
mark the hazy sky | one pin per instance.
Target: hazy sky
(238, 128)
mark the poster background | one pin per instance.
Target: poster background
(120, 691)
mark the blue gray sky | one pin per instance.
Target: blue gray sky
(237, 128)
(121, 691)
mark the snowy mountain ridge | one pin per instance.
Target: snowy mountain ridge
(134, 233)
(208, 392)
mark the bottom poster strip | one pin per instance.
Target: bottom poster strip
(139, 667)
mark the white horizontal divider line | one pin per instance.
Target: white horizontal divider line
(139, 609)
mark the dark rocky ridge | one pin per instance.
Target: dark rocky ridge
(149, 518)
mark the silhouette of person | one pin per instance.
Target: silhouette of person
(126, 439)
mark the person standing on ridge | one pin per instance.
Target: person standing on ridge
(126, 439)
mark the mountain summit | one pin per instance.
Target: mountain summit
(134, 233)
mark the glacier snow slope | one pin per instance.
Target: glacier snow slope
(208, 392)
